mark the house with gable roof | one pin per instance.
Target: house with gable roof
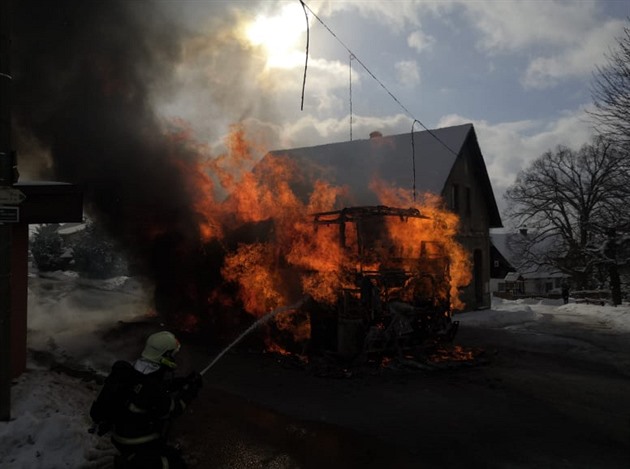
(448, 162)
(509, 277)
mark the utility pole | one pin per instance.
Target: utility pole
(7, 177)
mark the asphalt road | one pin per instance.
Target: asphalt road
(550, 396)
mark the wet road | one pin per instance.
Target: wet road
(229, 431)
(528, 404)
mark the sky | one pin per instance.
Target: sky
(519, 71)
(49, 418)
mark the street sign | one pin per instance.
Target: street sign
(11, 196)
(9, 214)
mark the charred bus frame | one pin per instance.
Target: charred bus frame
(402, 304)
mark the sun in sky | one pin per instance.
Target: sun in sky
(280, 36)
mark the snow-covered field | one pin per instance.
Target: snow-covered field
(49, 425)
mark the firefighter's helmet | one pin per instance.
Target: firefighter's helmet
(161, 347)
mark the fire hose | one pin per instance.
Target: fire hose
(96, 427)
(260, 321)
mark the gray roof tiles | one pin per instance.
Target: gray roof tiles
(356, 163)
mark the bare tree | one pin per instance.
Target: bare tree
(610, 90)
(570, 201)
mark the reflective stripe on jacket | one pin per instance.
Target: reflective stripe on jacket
(139, 440)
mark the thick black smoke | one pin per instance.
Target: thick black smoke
(84, 74)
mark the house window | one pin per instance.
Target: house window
(496, 263)
(468, 202)
(455, 198)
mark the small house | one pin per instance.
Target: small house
(510, 277)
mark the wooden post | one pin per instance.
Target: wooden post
(6, 180)
(19, 297)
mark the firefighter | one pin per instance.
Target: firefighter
(138, 401)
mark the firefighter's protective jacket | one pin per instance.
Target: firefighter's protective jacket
(146, 408)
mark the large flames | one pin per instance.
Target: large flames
(261, 214)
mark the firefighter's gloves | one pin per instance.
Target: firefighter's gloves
(192, 385)
(195, 380)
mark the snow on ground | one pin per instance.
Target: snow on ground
(49, 410)
(49, 425)
(521, 312)
(614, 318)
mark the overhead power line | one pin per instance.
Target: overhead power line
(354, 56)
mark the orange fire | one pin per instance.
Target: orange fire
(290, 256)
(441, 230)
(456, 353)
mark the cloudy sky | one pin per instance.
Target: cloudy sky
(520, 71)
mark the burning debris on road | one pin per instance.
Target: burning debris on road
(427, 359)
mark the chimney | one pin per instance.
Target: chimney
(375, 134)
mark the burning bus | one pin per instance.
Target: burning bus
(393, 291)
